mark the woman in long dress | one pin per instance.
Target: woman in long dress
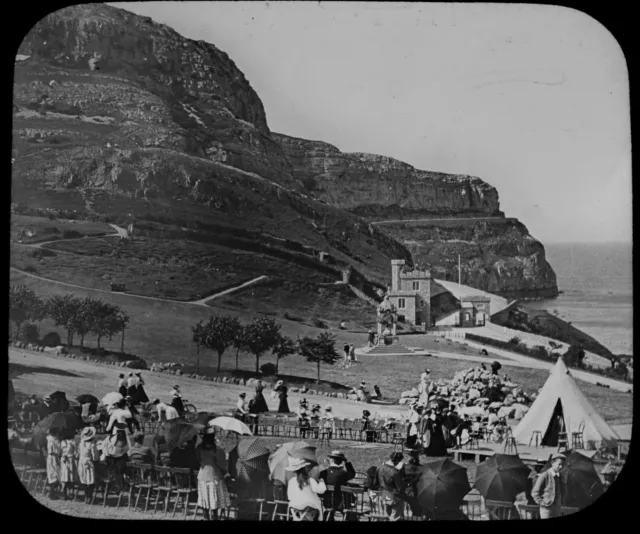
(53, 461)
(87, 458)
(259, 402)
(67, 462)
(141, 393)
(283, 406)
(212, 490)
(436, 446)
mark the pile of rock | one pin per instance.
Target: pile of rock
(475, 390)
(166, 367)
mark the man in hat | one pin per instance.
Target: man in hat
(48, 406)
(347, 350)
(339, 472)
(304, 419)
(548, 490)
(392, 486)
(423, 387)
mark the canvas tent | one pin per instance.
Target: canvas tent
(562, 404)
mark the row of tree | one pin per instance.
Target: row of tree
(262, 335)
(78, 316)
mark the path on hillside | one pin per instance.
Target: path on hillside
(395, 221)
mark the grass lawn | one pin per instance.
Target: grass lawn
(48, 229)
(161, 331)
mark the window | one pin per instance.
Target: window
(480, 306)
(467, 317)
(401, 304)
(416, 286)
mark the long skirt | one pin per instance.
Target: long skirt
(213, 495)
(283, 407)
(53, 469)
(122, 390)
(68, 470)
(259, 404)
(132, 391)
(142, 395)
(86, 472)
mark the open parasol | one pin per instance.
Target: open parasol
(177, 432)
(60, 421)
(581, 480)
(501, 477)
(279, 459)
(230, 424)
(441, 486)
(253, 458)
(111, 398)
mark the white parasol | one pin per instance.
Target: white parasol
(112, 398)
(230, 424)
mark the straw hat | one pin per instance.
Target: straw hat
(328, 408)
(88, 432)
(296, 464)
(338, 455)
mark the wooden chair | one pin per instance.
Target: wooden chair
(500, 510)
(183, 489)
(472, 509)
(353, 501)
(20, 462)
(536, 438)
(104, 483)
(341, 429)
(377, 510)
(298, 515)
(528, 511)
(249, 509)
(325, 438)
(280, 511)
(577, 438)
(36, 470)
(359, 479)
(164, 484)
(280, 425)
(140, 476)
(510, 446)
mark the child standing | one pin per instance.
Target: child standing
(53, 461)
(87, 457)
(68, 465)
(212, 490)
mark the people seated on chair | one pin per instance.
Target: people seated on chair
(169, 412)
(304, 490)
(392, 487)
(139, 453)
(337, 474)
(241, 410)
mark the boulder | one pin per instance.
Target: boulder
(413, 393)
(509, 400)
(303, 389)
(334, 394)
(352, 397)
(474, 394)
(506, 411)
(341, 395)
(242, 382)
(178, 372)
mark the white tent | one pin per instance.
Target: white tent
(561, 395)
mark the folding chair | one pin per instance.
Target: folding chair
(251, 509)
(353, 502)
(577, 438)
(377, 510)
(164, 477)
(36, 463)
(140, 479)
(299, 515)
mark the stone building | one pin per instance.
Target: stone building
(410, 294)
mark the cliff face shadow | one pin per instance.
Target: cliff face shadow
(17, 369)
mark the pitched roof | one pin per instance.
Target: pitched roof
(462, 291)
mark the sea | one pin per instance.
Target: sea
(597, 284)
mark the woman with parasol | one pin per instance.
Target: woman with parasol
(212, 490)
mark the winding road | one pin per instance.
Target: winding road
(396, 221)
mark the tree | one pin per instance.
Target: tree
(239, 342)
(260, 336)
(62, 309)
(24, 305)
(104, 319)
(218, 334)
(321, 349)
(284, 346)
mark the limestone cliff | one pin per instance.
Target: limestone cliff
(118, 116)
(380, 187)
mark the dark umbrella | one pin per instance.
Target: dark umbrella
(501, 477)
(58, 395)
(59, 421)
(253, 457)
(88, 399)
(203, 418)
(177, 432)
(581, 480)
(441, 486)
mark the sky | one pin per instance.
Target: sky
(533, 99)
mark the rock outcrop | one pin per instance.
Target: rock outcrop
(116, 115)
